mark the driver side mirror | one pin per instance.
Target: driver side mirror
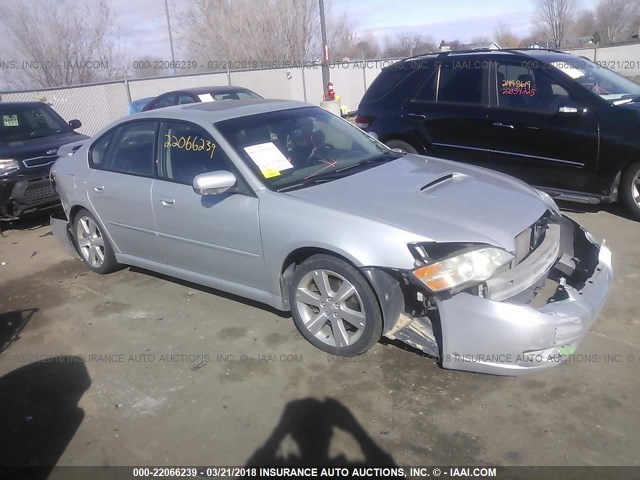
(75, 124)
(213, 183)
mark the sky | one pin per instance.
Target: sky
(143, 22)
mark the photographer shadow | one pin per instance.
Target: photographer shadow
(304, 434)
(39, 415)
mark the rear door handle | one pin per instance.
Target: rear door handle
(98, 188)
(503, 125)
(167, 202)
(418, 116)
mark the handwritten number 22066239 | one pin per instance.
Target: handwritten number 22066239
(187, 143)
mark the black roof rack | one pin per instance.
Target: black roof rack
(515, 51)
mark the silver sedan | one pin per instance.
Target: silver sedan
(284, 203)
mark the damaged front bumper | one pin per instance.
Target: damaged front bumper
(513, 336)
(20, 194)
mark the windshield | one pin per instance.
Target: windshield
(300, 147)
(606, 83)
(22, 122)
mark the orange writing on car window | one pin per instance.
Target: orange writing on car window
(190, 144)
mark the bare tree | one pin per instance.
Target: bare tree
(506, 38)
(269, 32)
(59, 42)
(614, 19)
(406, 44)
(555, 17)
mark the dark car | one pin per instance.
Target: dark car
(561, 123)
(136, 106)
(30, 135)
(202, 94)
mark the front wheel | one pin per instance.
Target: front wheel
(334, 307)
(630, 189)
(93, 245)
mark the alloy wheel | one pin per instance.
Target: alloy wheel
(331, 308)
(90, 241)
(635, 188)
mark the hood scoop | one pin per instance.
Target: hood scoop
(451, 176)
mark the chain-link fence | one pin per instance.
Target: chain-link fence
(100, 104)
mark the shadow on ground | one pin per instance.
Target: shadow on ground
(39, 415)
(31, 221)
(616, 209)
(11, 325)
(304, 437)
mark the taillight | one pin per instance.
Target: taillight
(363, 122)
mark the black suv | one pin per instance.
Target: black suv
(557, 121)
(30, 135)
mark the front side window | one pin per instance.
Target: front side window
(522, 88)
(186, 150)
(300, 147)
(126, 149)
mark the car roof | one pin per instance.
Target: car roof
(212, 112)
(203, 90)
(22, 104)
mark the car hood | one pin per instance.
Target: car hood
(39, 146)
(435, 199)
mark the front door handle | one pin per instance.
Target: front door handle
(503, 125)
(167, 202)
(418, 116)
(98, 188)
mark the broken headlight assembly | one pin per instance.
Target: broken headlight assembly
(464, 269)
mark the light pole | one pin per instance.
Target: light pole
(173, 57)
(325, 51)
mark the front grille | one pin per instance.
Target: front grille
(38, 192)
(36, 162)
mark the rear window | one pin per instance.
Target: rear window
(386, 81)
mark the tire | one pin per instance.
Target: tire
(401, 145)
(629, 190)
(345, 327)
(93, 246)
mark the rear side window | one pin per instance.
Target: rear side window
(460, 82)
(386, 81)
(126, 149)
(427, 91)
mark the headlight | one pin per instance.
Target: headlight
(466, 269)
(549, 202)
(7, 166)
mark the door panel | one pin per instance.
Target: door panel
(451, 111)
(119, 188)
(217, 235)
(123, 203)
(531, 140)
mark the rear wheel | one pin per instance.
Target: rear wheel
(402, 146)
(630, 189)
(93, 245)
(334, 307)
